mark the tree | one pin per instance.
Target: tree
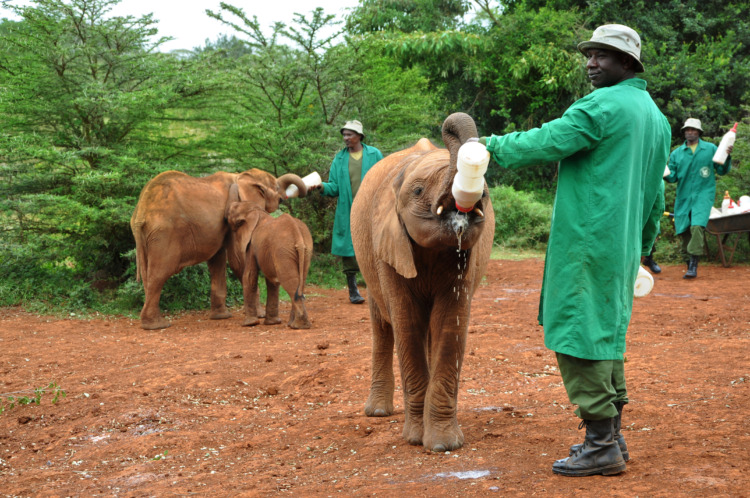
(406, 16)
(286, 100)
(86, 103)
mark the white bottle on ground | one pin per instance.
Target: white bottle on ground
(721, 154)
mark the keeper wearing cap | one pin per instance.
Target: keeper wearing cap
(349, 167)
(691, 166)
(612, 146)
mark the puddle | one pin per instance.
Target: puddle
(470, 474)
(494, 409)
(684, 296)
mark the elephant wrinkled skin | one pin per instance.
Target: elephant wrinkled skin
(420, 280)
(179, 221)
(282, 249)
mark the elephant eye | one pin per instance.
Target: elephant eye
(418, 191)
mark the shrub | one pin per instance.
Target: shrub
(522, 221)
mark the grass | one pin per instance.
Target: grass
(515, 254)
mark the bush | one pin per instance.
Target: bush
(522, 221)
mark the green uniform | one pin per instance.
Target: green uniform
(696, 183)
(612, 146)
(339, 185)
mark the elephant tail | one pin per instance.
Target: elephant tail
(140, 253)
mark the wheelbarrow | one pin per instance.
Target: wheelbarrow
(725, 226)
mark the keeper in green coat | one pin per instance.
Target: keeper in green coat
(691, 166)
(612, 146)
(349, 167)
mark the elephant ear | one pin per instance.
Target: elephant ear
(390, 240)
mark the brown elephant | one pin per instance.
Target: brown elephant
(282, 249)
(179, 221)
(422, 260)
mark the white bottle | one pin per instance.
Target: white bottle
(644, 282)
(468, 184)
(311, 180)
(727, 141)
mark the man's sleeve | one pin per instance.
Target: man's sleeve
(672, 165)
(331, 187)
(651, 227)
(580, 128)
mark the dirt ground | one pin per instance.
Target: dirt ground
(210, 408)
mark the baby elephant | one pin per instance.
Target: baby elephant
(281, 248)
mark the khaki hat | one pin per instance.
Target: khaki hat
(354, 126)
(692, 123)
(615, 37)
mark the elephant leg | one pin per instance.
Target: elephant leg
(441, 430)
(217, 267)
(272, 303)
(298, 316)
(151, 317)
(415, 377)
(250, 294)
(382, 384)
(159, 268)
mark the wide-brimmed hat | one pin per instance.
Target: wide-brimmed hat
(692, 123)
(616, 37)
(354, 126)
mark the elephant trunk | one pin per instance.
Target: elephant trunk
(458, 128)
(288, 179)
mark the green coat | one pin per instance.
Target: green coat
(696, 183)
(339, 185)
(612, 146)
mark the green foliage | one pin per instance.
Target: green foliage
(521, 220)
(92, 110)
(85, 96)
(9, 401)
(407, 16)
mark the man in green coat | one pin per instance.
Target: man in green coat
(691, 166)
(349, 167)
(612, 146)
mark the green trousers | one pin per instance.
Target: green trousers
(692, 241)
(350, 264)
(593, 385)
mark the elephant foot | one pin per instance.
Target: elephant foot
(270, 320)
(250, 322)
(443, 440)
(378, 407)
(220, 315)
(299, 324)
(413, 433)
(156, 324)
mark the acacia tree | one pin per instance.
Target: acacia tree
(86, 98)
(286, 100)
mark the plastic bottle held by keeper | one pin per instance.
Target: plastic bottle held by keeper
(725, 202)
(468, 184)
(720, 157)
(311, 180)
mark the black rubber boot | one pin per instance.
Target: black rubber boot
(651, 264)
(618, 434)
(598, 455)
(692, 270)
(354, 297)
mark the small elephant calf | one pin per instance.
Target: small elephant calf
(281, 248)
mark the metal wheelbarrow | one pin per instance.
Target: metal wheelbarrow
(725, 226)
